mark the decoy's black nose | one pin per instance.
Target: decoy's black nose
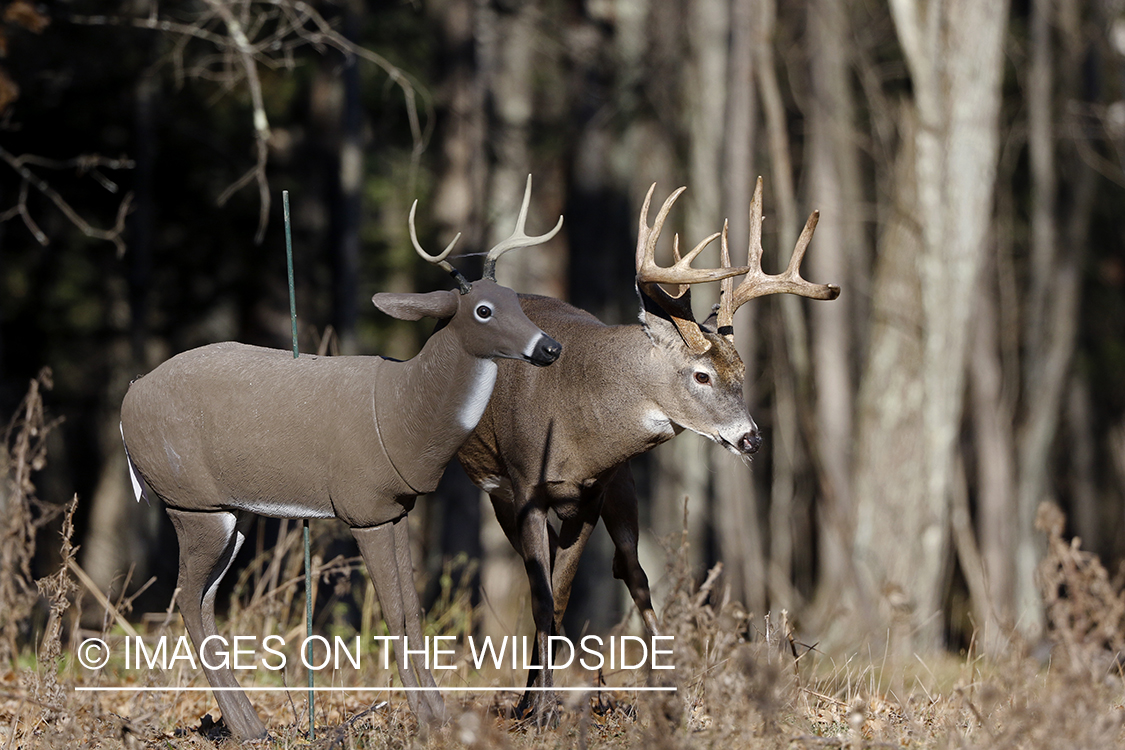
(750, 442)
(547, 350)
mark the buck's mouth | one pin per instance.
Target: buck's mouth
(746, 445)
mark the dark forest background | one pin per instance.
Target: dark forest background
(968, 160)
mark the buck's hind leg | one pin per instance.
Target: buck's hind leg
(566, 550)
(209, 542)
(619, 511)
(378, 544)
(537, 547)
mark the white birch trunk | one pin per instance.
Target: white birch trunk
(953, 52)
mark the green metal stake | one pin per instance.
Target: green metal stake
(289, 263)
(308, 626)
(308, 554)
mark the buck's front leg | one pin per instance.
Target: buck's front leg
(392, 576)
(535, 548)
(619, 511)
(573, 536)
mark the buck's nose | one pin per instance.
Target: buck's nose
(546, 351)
(750, 442)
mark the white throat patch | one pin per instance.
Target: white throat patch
(657, 423)
(482, 379)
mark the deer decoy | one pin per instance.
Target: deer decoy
(228, 430)
(560, 439)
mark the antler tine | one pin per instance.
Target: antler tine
(794, 269)
(651, 236)
(680, 273)
(682, 289)
(727, 304)
(754, 253)
(725, 319)
(643, 230)
(518, 238)
(440, 259)
(695, 251)
(759, 284)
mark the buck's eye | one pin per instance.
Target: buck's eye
(483, 312)
(702, 378)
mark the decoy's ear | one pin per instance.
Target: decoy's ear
(415, 306)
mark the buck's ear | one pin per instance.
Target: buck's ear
(659, 327)
(407, 306)
(711, 325)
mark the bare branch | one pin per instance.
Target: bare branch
(30, 178)
(249, 33)
(21, 209)
(246, 53)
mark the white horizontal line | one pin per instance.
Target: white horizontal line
(371, 689)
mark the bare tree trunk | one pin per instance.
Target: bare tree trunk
(646, 36)
(1052, 310)
(122, 534)
(1116, 450)
(1041, 153)
(1035, 438)
(465, 28)
(511, 71)
(996, 488)
(953, 52)
(460, 190)
(685, 466)
(836, 189)
(1086, 515)
(739, 538)
(348, 208)
(783, 492)
(890, 453)
(789, 342)
(968, 553)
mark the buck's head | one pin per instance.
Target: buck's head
(485, 317)
(707, 374)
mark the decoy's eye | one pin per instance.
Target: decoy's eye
(483, 312)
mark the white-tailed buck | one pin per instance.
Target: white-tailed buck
(228, 430)
(560, 439)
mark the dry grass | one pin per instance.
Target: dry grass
(741, 681)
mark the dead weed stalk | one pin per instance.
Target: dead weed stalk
(1085, 608)
(22, 514)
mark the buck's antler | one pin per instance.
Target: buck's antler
(758, 283)
(650, 275)
(438, 260)
(518, 238)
